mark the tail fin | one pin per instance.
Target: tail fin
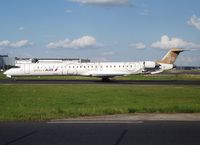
(171, 56)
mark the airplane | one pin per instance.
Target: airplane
(104, 70)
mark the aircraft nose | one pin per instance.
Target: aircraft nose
(7, 73)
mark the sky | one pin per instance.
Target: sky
(101, 30)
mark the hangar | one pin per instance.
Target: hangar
(49, 60)
(6, 62)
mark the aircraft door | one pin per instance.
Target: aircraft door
(72, 69)
(26, 68)
(64, 70)
(100, 67)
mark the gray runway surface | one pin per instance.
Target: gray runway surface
(123, 82)
(138, 133)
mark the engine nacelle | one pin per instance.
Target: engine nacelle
(149, 64)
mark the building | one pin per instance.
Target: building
(2, 61)
(6, 62)
(49, 60)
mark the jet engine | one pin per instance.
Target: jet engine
(149, 64)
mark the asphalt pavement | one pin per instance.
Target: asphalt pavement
(135, 133)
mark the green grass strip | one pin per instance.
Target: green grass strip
(44, 102)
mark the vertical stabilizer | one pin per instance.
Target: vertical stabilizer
(171, 56)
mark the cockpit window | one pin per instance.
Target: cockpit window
(15, 67)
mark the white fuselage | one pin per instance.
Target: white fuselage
(97, 69)
(84, 69)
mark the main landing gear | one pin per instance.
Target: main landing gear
(106, 79)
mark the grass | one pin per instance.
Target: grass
(162, 77)
(44, 102)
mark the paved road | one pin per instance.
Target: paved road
(123, 82)
(138, 133)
